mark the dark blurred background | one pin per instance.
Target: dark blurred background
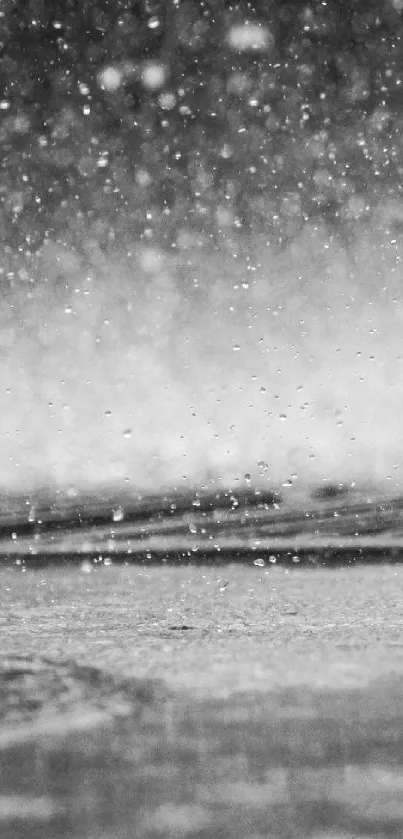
(165, 119)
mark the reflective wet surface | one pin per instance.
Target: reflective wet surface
(185, 701)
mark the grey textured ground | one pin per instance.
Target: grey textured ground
(201, 702)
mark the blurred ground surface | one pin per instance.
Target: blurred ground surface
(181, 702)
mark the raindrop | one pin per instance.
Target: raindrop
(127, 433)
(110, 79)
(118, 514)
(226, 151)
(153, 75)
(86, 567)
(259, 561)
(167, 101)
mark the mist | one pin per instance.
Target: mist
(237, 365)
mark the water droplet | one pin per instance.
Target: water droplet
(127, 433)
(259, 561)
(272, 559)
(107, 413)
(107, 560)
(236, 347)
(110, 79)
(118, 514)
(86, 567)
(222, 584)
(154, 22)
(247, 477)
(153, 75)
(262, 464)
